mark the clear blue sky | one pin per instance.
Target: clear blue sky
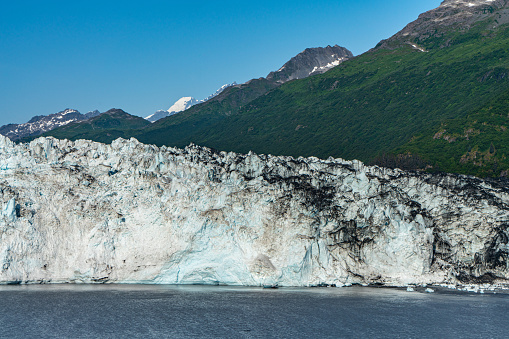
(144, 55)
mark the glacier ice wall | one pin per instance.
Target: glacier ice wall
(128, 212)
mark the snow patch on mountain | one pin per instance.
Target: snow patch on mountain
(325, 68)
(468, 3)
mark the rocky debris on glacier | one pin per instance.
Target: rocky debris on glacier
(133, 213)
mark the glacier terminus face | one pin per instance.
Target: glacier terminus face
(87, 212)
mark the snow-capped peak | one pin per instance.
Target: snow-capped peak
(184, 103)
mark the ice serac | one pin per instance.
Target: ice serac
(129, 212)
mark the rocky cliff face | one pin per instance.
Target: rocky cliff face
(128, 212)
(309, 62)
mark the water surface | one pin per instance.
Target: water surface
(155, 311)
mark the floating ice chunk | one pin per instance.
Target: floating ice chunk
(430, 290)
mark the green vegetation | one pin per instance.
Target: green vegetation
(477, 144)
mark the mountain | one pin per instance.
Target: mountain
(310, 62)
(184, 103)
(229, 101)
(159, 114)
(458, 14)
(108, 126)
(92, 114)
(450, 63)
(219, 91)
(180, 105)
(41, 123)
(225, 101)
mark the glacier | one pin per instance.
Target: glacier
(86, 212)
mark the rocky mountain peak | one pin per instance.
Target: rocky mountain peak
(92, 114)
(471, 3)
(114, 111)
(452, 14)
(309, 62)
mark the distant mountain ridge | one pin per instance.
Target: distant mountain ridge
(107, 126)
(184, 103)
(197, 119)
(224, 101)
(309, 62)
(432, 97)
(40, 124)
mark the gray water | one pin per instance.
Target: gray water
(134, 311)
